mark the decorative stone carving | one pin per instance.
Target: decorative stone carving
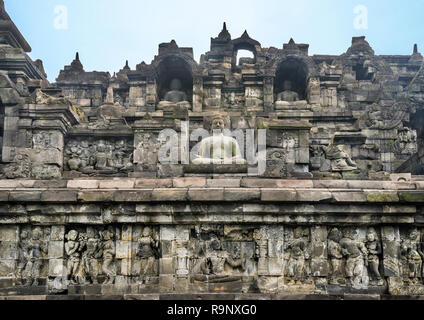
(73, 248)
(335, 257)
(148, 253)
(297, 255)
(412, 256)
(109, 253)
(407, 142)
(99, 157)
(31, 251)
(355, 252)
(374, 250)
(340, 159)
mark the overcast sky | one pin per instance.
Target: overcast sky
(107, 32)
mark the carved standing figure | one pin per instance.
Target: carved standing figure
(37, 248)
(412, 254)
(297, 250)
(335, 255)
(373, 246)
(356, 253)
(24, 252)
(148, 252)
(109, 252)
(72, 247)
(92, 255)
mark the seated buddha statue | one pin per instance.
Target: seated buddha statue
(175, 96)
(219, 149)
(288, 97)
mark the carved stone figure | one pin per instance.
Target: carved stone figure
(340, 159)
(20, 168)
(406, 142)
(30, 257)
(219, 149)
(24, 252)
(288, 94)
(412, 256)
(335, 256)
(99, 157)
(356, 253)
(73, 252)
(109, 252)
(297, 250)
(92, 255)
(374, 252)
(175, 96)
(148, 252)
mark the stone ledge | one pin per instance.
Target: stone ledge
(207, 194)
(203, 182)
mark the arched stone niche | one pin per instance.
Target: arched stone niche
(291, 75)
(169, 69)
(247, 44)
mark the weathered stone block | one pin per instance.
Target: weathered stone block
(25, 196)
(56, 249)
(189, 182)
(83, 184)
(238, 194)
(206, 194)
(59, 196)
(117, 184)
(381, 196)
(140, 195)
(313, 195)
(169, 195)
(95, 196)
(279, 195)
(411, 196)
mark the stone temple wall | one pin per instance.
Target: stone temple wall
(89, 207)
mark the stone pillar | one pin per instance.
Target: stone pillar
(137, 95)
(147, 147)
(269, 94)
(174, 263)
(212, 92)
(319, 264)
(151, 95)
(57, 272)
(9, 240)
(270, 244)
(197, 94)
(314, 91)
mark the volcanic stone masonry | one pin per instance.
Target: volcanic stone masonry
(87, 208)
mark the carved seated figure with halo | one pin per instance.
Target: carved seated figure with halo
(219, 149)
(289, 98)
(175, 96)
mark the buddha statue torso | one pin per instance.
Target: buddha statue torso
(175, 96)
(219, 149)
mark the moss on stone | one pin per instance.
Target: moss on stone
(411, 196)
(382, 196)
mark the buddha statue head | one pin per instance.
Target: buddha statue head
(218, 123)
(175, 85)
(287, 85)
